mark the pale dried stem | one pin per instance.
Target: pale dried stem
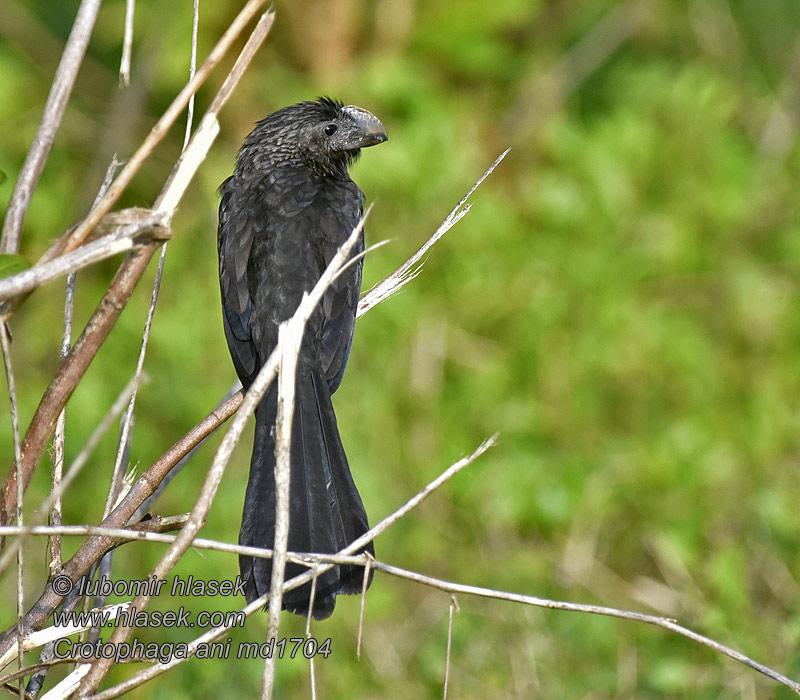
(453, 606)
(67, 71)
(365, 583)
(406, 272)
(57, 464)
(78, 463)
(12, 398)
(74, 238)
(318, 562)
(127, 44)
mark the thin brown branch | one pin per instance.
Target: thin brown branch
(72, 370)
(76, 466)
(74, 238)
(120, 241)
(214, 476)
(318, 562)
(145, 485)
(67, 71)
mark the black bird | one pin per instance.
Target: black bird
(286, 209)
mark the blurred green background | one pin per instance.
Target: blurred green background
(621, 304)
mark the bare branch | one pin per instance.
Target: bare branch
(57, 459)
(74, 238)
(127, 45)
(131, 270)
(322, 561)
(76, 466)
(144, 486)
(407, 272)
(120, 241)
(71, 370)
(663, 622)
(67, 71)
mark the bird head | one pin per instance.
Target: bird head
(325, 135)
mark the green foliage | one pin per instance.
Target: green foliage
(621, 303)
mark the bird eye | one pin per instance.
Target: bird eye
(330, 129)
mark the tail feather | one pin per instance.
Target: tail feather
(325, 510)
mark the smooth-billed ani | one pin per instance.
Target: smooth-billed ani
(286, 209)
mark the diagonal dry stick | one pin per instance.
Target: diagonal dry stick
(109, 309)
(75, 237)
(215, 473)
(67, 71)
(143, 488)
(96, 547)
(407, 272)
(323, 564)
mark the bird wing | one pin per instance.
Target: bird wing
(339, 308)
(234, 240)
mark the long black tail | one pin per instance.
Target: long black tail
(325, 512)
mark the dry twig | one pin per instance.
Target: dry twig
(67, 71)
